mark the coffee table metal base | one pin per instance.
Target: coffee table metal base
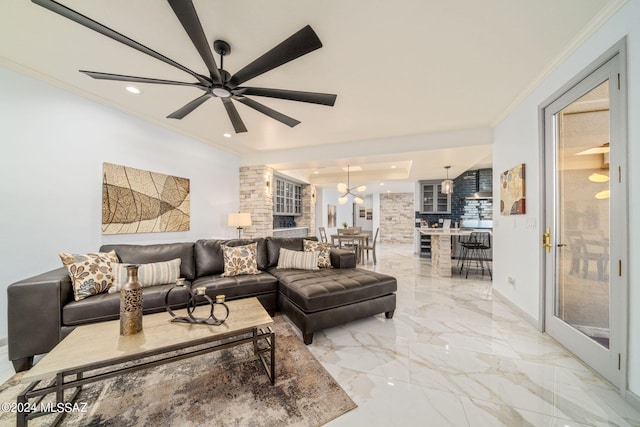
(30, 401)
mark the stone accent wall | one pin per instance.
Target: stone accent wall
(308, 218)
(397, 212)
(257, 199)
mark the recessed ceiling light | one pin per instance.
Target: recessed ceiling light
(226, 135)
(393, 166)
(134, 90)
(382, 183)
(316, 172)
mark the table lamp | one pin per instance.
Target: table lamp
(239, 220)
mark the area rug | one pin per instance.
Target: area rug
(215, 389)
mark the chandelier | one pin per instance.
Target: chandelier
(346, 190)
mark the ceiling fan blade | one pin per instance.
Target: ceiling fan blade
(291, 122)
(119, 77)
(238, 124)
(106, 31)
(301, 43)
(182, 112)
(291, 95)
(186, 13)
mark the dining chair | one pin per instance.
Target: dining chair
(345, 241)
(323, 234)
(372, 247)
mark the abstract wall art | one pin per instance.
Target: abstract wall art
(512, 191)
(331, 216)
(139, 201)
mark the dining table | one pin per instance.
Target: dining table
(361, 238)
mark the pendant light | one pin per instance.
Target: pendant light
(446, 187)
(346, 190)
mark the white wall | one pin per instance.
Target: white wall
(366, 224)
(517, 250)
(52, 146)
(329, 196)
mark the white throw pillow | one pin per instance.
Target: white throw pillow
(298, 259)
(153, 274)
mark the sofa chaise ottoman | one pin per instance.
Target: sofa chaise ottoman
(42, 310)
(318, 299)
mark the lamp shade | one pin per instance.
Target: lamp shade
(447, 186)
(237, 219)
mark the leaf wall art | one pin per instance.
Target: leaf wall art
(138, 201)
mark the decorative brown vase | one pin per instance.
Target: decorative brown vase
(131, 303)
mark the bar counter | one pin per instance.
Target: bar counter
(441, 247)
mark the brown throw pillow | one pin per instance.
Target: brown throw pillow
(91, 274)
(240, 260)
(324, 259)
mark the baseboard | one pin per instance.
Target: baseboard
(632, 399)
(526, 316)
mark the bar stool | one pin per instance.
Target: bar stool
(475, 249)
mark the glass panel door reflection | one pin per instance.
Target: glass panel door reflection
(582, 191)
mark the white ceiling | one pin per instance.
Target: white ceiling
(420, 83)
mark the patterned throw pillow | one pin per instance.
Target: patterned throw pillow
(90, 274)
(153, 274)
(298, 259)
(324, 259)
(240, 260)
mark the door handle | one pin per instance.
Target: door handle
(546, 240)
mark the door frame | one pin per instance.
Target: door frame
(620, 49)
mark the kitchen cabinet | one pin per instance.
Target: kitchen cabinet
(287, 197)
(432, 200)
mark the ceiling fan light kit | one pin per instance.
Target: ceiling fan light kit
(220, 83)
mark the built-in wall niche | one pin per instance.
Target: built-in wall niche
(284, 221)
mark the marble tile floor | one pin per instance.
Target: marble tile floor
(454, 356)
(6, 368)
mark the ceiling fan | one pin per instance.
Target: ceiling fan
(219, 83)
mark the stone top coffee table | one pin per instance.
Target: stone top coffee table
(100, 346)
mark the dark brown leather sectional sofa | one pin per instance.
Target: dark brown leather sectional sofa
(42, 309)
